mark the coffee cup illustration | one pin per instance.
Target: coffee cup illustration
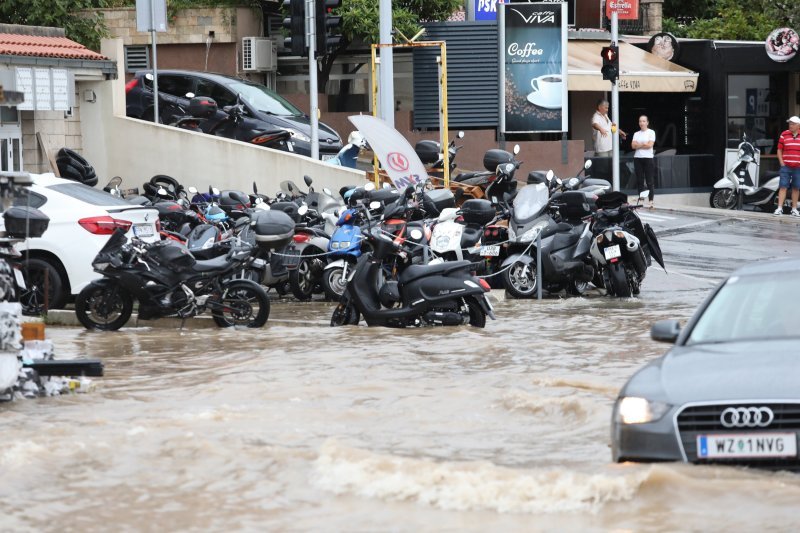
(550, 88)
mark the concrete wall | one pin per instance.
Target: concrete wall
(136, 150)
(56, 131)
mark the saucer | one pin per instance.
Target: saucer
(536, 99)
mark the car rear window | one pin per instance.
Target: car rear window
(30, 199)
(87, 194)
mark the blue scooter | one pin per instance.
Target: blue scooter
(344, 250)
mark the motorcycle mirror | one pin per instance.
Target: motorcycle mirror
(588, 164)
(149, 76)
(550, 175)
(516, 149)
(416, 234)
(302, 210)
(572, 182)
(161, 191)
(192, 190)
(290, 187)
(494, 199)
(255, 189)
(461, 134)
(369, 186)
(375, 204)
(327, 191)
(308, 180)
(215, 191)
(190, 95)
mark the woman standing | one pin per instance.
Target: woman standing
(643, 162)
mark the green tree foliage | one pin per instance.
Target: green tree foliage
(360, 18)
(750, 20)
(86, 27)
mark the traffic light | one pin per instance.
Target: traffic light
(328, 26)
(610, 68)
(296, 24)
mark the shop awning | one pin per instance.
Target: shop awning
(640, 71)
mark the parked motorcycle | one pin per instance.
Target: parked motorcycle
(348, 155)
(737, 188)
(168, 281)
(444, 294)
(623, 245)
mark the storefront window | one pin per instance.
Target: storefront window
(756, 106)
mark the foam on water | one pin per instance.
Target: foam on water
(462, 486)
(572, 406)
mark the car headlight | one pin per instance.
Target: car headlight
(532, 233)
(296, 135)
(634, 410)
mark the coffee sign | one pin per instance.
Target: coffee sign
(533, 80)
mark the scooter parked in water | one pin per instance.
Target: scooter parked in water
(444, 294)
(737, 188)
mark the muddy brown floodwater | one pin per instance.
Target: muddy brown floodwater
(302, 427)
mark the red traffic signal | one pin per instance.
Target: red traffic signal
(610, 69)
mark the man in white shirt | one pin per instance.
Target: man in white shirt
(603, 129)
(643, 162)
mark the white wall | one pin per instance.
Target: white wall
(137, 150)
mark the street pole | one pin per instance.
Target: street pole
(614, 113)
(387, 64)
(311, 39)
(155, 60)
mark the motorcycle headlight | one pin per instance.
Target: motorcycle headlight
(335, 245)
(344, 244)
(634, 410)
(100, 266)
(532, 233)
(298, 136)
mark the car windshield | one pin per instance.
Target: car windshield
(750, 308)
(88, 194)
(263, 99)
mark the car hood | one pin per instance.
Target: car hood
(303, 124)
(747, 370)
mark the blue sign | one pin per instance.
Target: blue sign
(485, 9)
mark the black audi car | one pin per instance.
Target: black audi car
(264, 110)
(727, 392)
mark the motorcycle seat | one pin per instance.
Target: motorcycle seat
(210, 265)
(310, 229)
(565, 240)
(481, 176)
(414, 272)
(471, 235)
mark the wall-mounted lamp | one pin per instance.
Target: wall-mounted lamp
(89, 96)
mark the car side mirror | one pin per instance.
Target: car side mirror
(665, 331)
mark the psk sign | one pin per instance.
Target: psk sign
(485, 9)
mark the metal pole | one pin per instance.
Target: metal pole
(387, 63)
(375, 76)
(445, 140)
(311, 38)
(155, 60)
(614, 113)
(539, 266)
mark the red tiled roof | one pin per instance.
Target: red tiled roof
(31, 45)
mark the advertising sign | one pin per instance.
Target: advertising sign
(394, 152)
(533, 79)
(626, 9)
(487, 9)
(782, 44)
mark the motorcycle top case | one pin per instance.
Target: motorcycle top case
(495, 157)
(202, 107)
(428, 151)
(172, 256)
(436, 200)
(288, 208)
(274, 229)
(477, 211)
(24, 221)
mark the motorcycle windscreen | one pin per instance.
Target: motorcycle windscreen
(655, 248)
(530, 201)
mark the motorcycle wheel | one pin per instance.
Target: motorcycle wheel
(520, 280)
(477, 318)
(103, 306)
(577, 288)
(334, 283)
(723, 199)
(345, 314)
(618, 280)
(243, 303)
(301, 279)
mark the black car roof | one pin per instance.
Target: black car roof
(761, 268)
(213, 76)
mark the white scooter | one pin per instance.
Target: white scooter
(737, 188)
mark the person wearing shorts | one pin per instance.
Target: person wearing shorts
(789, 159)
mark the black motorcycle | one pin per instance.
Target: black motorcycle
(168, 281)
(444, 294)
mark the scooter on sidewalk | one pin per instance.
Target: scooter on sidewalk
(738, 188)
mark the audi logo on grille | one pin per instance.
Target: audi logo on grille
(746, 417)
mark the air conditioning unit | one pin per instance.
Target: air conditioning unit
(259, 54)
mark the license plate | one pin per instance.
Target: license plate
(291, 258)
(20, 279)
(490, 250)
(143, 230)
(736, 445)
(326, 157)
(612, 252)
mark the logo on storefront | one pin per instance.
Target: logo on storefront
(397, 161)
(537, 17)
(782, 44)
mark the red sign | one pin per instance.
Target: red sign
(626, 9)
(398, 161)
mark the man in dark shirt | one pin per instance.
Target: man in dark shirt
(789, 159)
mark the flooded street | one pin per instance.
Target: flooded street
(299, 426)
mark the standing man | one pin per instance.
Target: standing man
(603, 128)
(643, 162)
(789, 159)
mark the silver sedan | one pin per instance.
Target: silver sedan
(728, 392)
